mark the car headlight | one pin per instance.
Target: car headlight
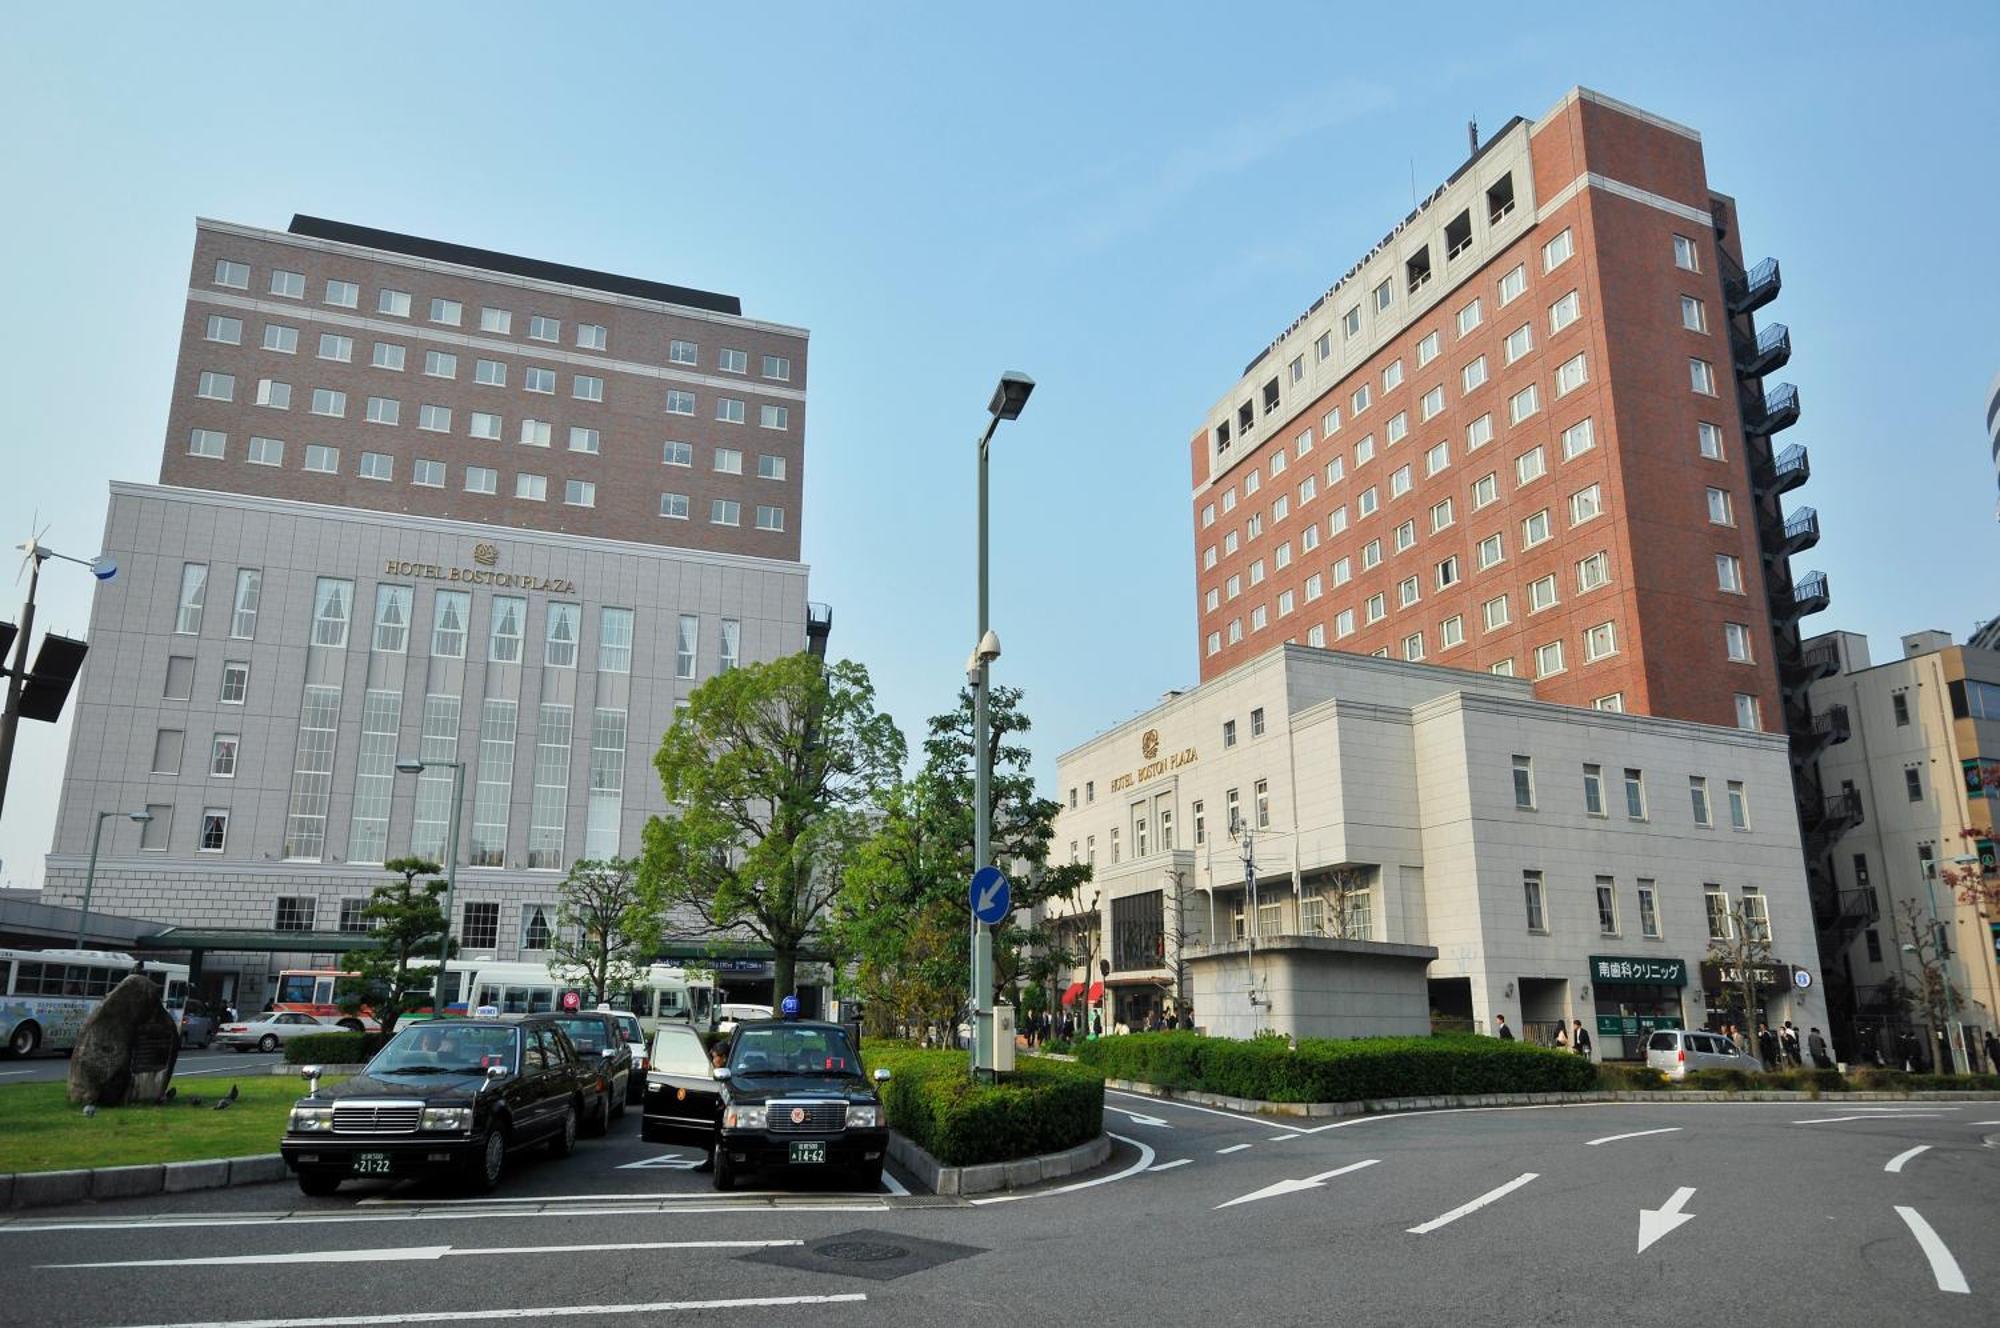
(447, 1118)
(744, 1118)
(864, 1118)
(311, 1120)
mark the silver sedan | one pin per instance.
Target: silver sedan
(269, 1032)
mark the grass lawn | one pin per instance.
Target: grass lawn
(41, 1131)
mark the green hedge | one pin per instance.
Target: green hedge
(1043, 1107)
(1879, 1078)
(1325, 1070)
(333, 1048)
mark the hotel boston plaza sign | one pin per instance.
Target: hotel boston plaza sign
(482, 576)
(1156, 765)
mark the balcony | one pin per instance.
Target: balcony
(1778, 410)
(1826, 819)
(1768, 352)
(1793, 602)
(819, 626)
(1801, 532)
(1817, 732)
(1784, 472)
(1747, 292)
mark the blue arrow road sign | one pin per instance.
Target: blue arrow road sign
(990, 895)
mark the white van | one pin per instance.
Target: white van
(1675, 1051)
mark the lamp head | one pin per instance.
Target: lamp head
(409, 765)
(1011, 395)
(989, 647)
(104, 567)
(142, 817)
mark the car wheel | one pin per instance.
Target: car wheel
(725, 1172)
(707, 1161)
(621, 1097)
(492, 1160)
(319, 1184)
(27, 1038)
(599, 1121)
(352, 1025)
(868, 1176)
(564, 1142)
(268, 1043)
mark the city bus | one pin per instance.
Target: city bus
(319, 992)
(663, 992)
(45, 995)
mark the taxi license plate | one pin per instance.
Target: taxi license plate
(371, 1164)
(803, 1152)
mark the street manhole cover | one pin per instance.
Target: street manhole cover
(879, 1256)
(860, 1251)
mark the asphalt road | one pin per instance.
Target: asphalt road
(55, 1066)
(1769, 1214)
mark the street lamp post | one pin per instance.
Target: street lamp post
(103, 567)
(411, 765)
(90, 875)
(1008, 398)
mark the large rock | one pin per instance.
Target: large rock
(127, 1049)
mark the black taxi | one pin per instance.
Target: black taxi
(449, 1097)
(794, 1098)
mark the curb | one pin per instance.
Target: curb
(40, 1189)
(1379, 1106)
(991, 1176)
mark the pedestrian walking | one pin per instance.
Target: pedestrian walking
(1504, 1033)
(1737, 1040)
(1817, 1044)
(1767, 1046)
(1561, 1040)
(1788, 1043)
(1579, 1039)
(1992, 1052)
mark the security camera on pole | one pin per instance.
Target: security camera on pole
(989, 904)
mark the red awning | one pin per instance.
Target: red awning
(1096, 992)
(1075, 990)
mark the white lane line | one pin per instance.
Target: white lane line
(1295, 1187)
(419, 1253)
(1927, 1107)
(456, 1214)
(494, 1201)
(1184, 1106)
(9, 1074)
(894, 1186)
(1943, 1267)
(1832, 1120)
(540, 1312)
(1475, 1205)
(1146, 1156)
(1458, 1111)
(1280, 1138)
(1233, 1148)
(1895, 1163)
(1169, 1166)
(1986, 1122)
(1636, 1134)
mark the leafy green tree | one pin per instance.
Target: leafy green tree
(767, 774)
(605, 935)
(406, 924)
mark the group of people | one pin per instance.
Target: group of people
(1780, 1048)
(1043, 1027)
(1575, 1038)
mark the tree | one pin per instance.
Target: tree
(766, 774)
(406, 925)
(605, 934)
(1933, 993)
(1740, 956)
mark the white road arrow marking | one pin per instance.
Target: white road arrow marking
(1657, 1222)
(422, 1253)
(1943, 1267)
(1138, 1119)
(1475, 1205)
(1895, 1163)
(1294, 1186)
(1636, 1134)
(665, 1161)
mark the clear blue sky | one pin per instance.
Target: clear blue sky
(1126, 201)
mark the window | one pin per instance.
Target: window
(345, 294)
(481, 479)
(1599, 641)
(1557, 251)
(1371, 554)
(680, 403)
(447, 312)
(1524, 782)
(293, 913)
(1756, 918)
(1578, 439)
(1470, 317)
(167, 744)
(1519, 342)
(503, 645)
(232, 274)
(1413, 647)
(1701, 376)
(728, 461)
(1473, 375)
(1343, 623)
(1719, 513)
(1531, 890)
(584, 440)
(284, 340)
(1607, 906)
(436, 419)
(563, 630)
(216, 386)
(533, 488)
(1739, 805)
(770, 518)
(1343, 572)
(1399, 482)
(535, 378)
(496, 320)
(1535, 529)
(1541, 594)
(392, 619)
(1523, 404)
(485, 425)
(1635, 794)
(585, 387)
(1368, 501)
(1283, 558)
(579, 493)
(1728, 573)
(1562, 313)
(729, 410)
(725, 512)
(1694, 317)
(1392, 376)
(332, 599)
(1708, 438)
(1385, 295)
(388, 355)
(1447, 572)
(1514, 283)
(1214, 643)
(1441, 516)
(1571, 374)
(535, 433)
(194, 590)
(384, 410)
(1377, 608)
(1398, 428)
(1485, 489)
(1262, 792)
(274, 395)
(222, 750)
(1493, 613)
(1427, 349)
(337, 348)
(730, 644)
(591, 336)
(1716, 904)
(773, 467)
(1899, 706)
(1592, 572)
(448, 623)
(326, 401)
(1316, 636)
(674, 506)
(291, 285)
(1491, 550)
(235, 681)
(377, 466)
(1585, 504)
(427, 474)
(1685, 255)
(1874, 946)
(228, 331)
(1549, 659)
(1359, 401)
(1698, 796)
(1913, 783)
(778, 417)
(207, 443)
(1407, 592)
(1736, 642)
